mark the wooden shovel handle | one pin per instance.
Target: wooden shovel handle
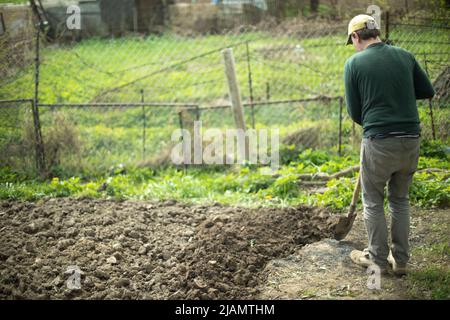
(356, 192)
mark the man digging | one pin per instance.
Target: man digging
(382, 83)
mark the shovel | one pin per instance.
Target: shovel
(344, 225)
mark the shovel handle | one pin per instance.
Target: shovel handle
(356, 193)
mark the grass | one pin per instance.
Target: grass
(435, 279)
(14, 1)
(246, 186)
(431, 279)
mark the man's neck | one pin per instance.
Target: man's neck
(371, 41)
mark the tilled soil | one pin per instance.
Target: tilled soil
(146, 250)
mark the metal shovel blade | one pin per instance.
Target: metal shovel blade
(344, 225)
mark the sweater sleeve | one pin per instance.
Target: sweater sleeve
(352, 96)
(422, 85)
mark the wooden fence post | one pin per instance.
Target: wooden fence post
(233, 86)
(235, 94)
(40, 153)
(250, 85)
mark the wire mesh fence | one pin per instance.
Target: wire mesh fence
(93, 88)
(17, 53)
(183, 69)
(98, 138)
(297, 120)
(17, 135)
(428, 40)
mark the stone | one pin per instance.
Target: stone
(112, 260)
(142, 250)
(117, 246)
(189, 233)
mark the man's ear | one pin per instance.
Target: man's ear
(355, 36)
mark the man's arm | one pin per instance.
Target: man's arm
(422, 85)
(352, 95)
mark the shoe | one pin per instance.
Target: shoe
(362, 258)
(398, 269)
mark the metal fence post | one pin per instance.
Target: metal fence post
(267, 91)
(386, 30)
(180, 119)
(197, 113)
(40, 155)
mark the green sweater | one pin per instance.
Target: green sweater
(382, 84)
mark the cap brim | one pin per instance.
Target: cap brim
(349, 40)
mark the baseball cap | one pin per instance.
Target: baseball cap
(359, 22)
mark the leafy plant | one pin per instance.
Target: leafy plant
(433, 149)
(431, 190)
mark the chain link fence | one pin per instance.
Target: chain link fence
(117, 98)
(17, 51)
(428, 40)
(17, 135)
(98, 138)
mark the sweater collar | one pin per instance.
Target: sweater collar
(377, 44)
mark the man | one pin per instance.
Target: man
(382, 83)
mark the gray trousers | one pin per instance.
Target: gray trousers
(390, 161)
